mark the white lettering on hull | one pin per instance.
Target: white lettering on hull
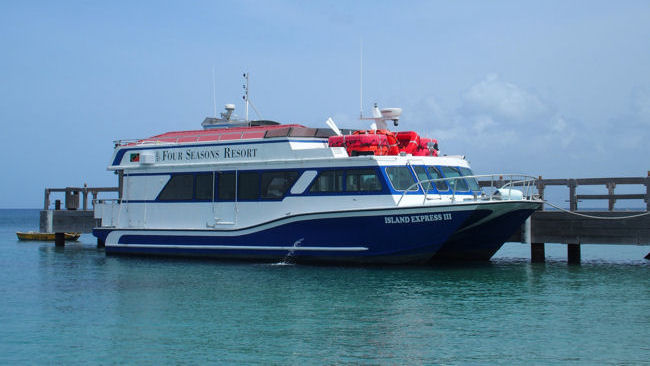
(413, 219)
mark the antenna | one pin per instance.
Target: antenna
(360, 78)
(246, 93)
(214, 94)
(247, 99)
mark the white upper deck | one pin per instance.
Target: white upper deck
(285, 145)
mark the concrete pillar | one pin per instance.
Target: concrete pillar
(46, 200)
(59, 239)
(537, 254)
(573, 253)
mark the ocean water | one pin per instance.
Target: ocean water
(75, 305)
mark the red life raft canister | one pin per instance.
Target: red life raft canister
(370, 142)
(384, 142)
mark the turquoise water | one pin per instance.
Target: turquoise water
(74, 305)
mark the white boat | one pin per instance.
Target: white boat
(269, 192)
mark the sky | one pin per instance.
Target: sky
(559, 89)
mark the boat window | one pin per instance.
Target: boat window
(441, 185)
(473, 183)
(458, 185)
(328, 181)
(179, 187)
(422, 176)
(248, 186)
(276, 184)
(203, 186)
(401, 178)
(361, 180)
(226, 186)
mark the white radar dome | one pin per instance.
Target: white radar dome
(391, 113)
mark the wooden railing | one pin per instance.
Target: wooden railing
(609, 183)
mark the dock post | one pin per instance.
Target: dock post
(100, 243)
(573, 201)
(59, 239)
(610, 193)
(540, 189)
(647, 192)
(537, 254)
(573, 253)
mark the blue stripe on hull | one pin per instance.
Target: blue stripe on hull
(411, 240)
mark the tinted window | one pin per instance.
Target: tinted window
(458, 185)
(276, 184)
(179, 187)
(362, 180)
(441, 185)
(203, 187)
(226, 186)
(248, 186)
(473, 183)
(328, 181)
(422, 176)
(401, 178)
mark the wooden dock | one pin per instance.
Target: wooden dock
(573, 229)
(544, 226)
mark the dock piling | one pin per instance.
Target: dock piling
(59, 239)
(573, 253)
(537, 254)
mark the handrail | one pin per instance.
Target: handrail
(527, 182)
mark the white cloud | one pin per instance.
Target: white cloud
(494, 113)
(504, 101)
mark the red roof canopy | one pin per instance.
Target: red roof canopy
(217, 134)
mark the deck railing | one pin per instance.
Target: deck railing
(497, 184)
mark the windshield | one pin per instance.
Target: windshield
(422, 176)
(473, 183)
(458, 185)
(441, 185)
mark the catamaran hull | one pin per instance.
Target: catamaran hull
(395, 236)
(480, 240)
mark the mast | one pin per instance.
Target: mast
(214, 94)
(360, 78)
(246, 93)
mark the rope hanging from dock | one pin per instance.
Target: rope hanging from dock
(595, 217)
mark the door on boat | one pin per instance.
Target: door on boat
(224, 207)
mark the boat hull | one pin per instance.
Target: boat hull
(392, 236)
(481, 236)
